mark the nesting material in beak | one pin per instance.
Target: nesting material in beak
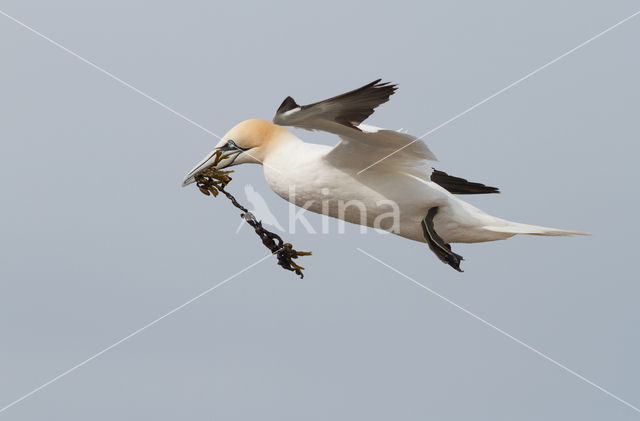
(211, 181)
(211, 162)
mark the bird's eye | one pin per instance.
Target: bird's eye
(232, 146)
(229, 146)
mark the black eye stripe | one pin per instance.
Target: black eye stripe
(231, 146)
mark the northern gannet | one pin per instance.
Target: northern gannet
(401, 193)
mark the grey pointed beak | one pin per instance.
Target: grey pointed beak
(190, 178)
(232, 151)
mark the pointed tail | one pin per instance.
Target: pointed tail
(518, 228)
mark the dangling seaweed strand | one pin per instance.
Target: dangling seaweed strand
(213, 181)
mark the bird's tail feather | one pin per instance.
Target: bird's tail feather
(518, 228)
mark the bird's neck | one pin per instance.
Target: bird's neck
(290, 153)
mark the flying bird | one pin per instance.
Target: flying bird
(375, 177)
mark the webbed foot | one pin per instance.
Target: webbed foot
(437, 245)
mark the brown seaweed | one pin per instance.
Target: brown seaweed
(211, 181)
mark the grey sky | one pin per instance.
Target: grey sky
(98, 239)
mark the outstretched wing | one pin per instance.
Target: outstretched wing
(348, 109)
(362, 146)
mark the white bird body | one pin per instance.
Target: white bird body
(301, 173)
(373, 177)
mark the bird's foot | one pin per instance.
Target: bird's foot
(437, 244)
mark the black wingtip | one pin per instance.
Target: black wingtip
(287, 105)
(378, 84)
(457, 185)
(350, 108)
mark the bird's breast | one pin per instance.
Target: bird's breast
(375, 199)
